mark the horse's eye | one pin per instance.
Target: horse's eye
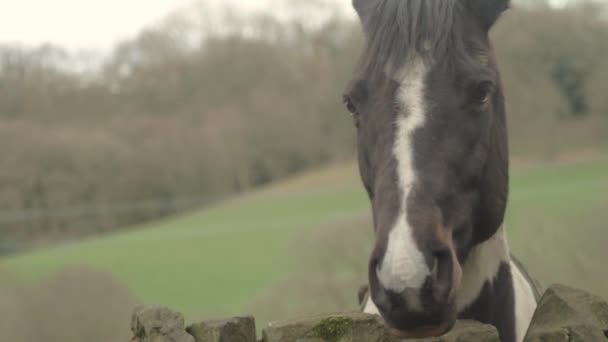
(482, 92)
(350, 106)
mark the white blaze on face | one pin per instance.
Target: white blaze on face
(404, 266)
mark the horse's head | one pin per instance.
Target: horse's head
(429, 110)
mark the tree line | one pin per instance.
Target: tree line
(181, 116)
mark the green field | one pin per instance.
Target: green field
(301, 245)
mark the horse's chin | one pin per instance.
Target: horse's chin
(423, 332)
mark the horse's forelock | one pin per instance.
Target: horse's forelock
(398, 30)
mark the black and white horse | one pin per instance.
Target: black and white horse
(429, 109)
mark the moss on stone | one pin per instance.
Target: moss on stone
(600, 311)
(333, 328)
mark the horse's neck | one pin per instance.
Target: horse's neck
(494, 290)
(482, 266)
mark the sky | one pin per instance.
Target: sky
(96, 25)
(92, 24)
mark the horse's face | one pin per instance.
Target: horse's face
(432, 151)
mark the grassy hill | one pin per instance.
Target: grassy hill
(301, 246)
(216, 260)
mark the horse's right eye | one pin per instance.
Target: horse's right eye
(350, 106)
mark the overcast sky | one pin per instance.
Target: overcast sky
(96, 24)
(92, 24)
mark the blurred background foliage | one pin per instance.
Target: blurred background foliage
(185, 113)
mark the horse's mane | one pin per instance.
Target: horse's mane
(396, 30)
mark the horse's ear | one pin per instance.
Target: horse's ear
(487, 11)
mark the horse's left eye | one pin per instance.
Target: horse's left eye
(482, 92)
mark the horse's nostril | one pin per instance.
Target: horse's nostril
(442, 274)
(377, 291)
(435, 269)
(382, 300)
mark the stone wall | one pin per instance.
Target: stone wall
(563, 314)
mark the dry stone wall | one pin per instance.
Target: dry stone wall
(564, 314)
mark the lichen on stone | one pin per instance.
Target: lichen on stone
(331, 329)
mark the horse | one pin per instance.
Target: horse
(429, 110)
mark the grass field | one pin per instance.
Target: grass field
(289, 248)
(211, 262)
